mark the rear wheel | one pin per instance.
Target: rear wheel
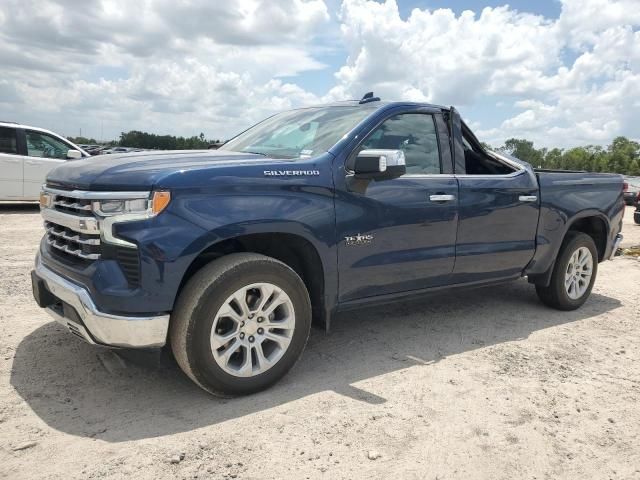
(240, 324)
(573, 274)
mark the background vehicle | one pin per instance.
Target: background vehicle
(117, 150)
(228, 254)
(636, 214)
(26, 156)
(631, 190)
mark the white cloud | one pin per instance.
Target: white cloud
(198, 65)
(449, 59)
(190, 66)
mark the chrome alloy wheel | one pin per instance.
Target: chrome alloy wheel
(252, 329)
(578, 274)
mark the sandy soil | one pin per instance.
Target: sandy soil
(482, 384)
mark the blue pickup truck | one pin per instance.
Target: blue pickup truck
(227, 256)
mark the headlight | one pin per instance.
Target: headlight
(114, 211)
(138, 206)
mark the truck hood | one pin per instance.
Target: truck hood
(142, 170)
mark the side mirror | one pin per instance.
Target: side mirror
(74, 154)
(380, 164)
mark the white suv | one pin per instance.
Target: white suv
(26, 156)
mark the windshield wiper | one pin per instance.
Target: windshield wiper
(256, 153)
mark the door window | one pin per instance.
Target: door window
(478, 162)
(415, 135)
(43, 145)
(8, 142)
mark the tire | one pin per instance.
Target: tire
(559, 296)
(210, 298)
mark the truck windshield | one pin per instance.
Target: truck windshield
(300, 133)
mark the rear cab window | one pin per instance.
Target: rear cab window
(479, 162)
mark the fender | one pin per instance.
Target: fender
(198, 219)
(549, 242)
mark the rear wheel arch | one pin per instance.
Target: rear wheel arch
(575, 266)
(593, 224)
(596, 226)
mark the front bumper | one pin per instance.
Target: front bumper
(72, 306)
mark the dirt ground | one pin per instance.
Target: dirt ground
(482, 384)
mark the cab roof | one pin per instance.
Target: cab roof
(376, 105)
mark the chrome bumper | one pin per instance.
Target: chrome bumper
(616, 245)
(102, 328)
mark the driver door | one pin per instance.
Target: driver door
(398, 235)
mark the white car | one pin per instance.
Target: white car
(26, 156)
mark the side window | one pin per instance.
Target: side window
(477, 162)
(42, 145)
(8, 140)
(415, 135)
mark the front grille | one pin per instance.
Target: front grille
(74, 244)
(74, 233)
(68, 234)
(74, 206)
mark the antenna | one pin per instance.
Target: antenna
(368, 97)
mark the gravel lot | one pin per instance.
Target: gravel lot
(482, 384)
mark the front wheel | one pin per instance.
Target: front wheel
(240, 324)
(573, 273)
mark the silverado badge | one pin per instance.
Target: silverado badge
(291, 173)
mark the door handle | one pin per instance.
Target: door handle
(441, 197)
(527, 198)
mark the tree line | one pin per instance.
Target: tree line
(621, 156)
(137, 139)
(151, 141)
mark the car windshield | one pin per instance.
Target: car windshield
(300, 133)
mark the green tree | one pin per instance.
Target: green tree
(524, 150)
(623, 155)
(553, 158)
(82, 140)
(137, 139)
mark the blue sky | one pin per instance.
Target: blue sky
(559, 72)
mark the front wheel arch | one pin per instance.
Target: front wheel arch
(294, 250)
